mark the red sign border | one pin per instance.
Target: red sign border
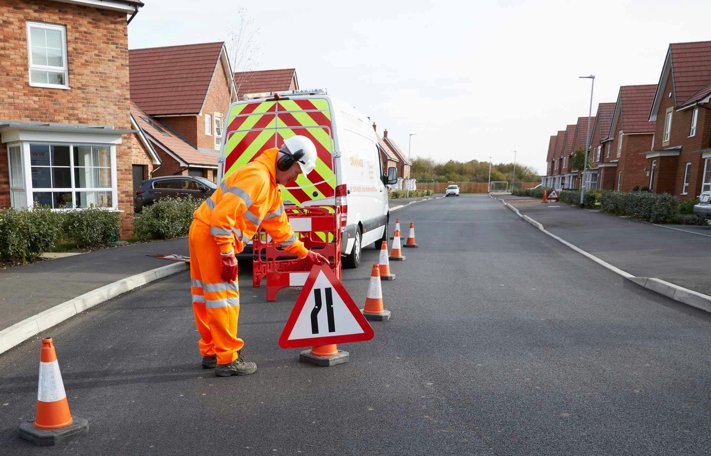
(367, 334)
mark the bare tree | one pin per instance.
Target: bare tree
(242, 48)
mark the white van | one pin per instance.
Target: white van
(349, 172)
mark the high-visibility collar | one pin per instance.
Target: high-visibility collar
(268, 159)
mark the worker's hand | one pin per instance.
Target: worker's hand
(316, 258)
(229, 267)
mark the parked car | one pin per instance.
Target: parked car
(172, 186)
(452, 190)
(704, 206)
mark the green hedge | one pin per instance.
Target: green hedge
(652, 207)
(90, 228)
(396, 194)
(165, 219)
(25, 235)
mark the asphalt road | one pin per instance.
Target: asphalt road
(502, 342)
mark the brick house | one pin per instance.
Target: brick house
(631, 135)
(263, 82)
(680, 158)
(179, 96)
(579, 143)
(556, 162)
(387, 156)
(547, 180)
(602, 172)
(66, 133)
(567, 178)
(403, 165)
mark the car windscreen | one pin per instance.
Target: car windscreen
(207, 182)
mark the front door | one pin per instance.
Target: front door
(139, 175)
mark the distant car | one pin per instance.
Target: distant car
(704, 206)
(452, 190)
(172, 186)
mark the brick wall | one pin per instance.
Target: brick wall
(217, 100)
(186, 127)
(98, 94)
(633, 162)
(665, 176)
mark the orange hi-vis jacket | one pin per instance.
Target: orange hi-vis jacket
(247, 199)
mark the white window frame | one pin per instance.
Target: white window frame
(687, 176)
(208, 125)
(31, 66)
(652, 172)
(667, 126)
(706, 184)
(607, 151)
(598, 153)
(29, 189)
(694, 119)
(620, 136)
(619, 180)
(217, 120)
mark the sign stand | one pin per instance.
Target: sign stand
(324, 315)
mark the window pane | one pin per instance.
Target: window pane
(38, 37)
(39, 56)
(39, 155)
(38, 77)
(54, 57)
(190, 185)
(95, 199)
(54, 39)
(42, 198)
(17, 180)
(61, 178)
(104, 177)
(104, 157)
(55, 78)
(19, 199)
(83, 156)
(41, 177)
(86, 177)
(62, 199)
(60, 155)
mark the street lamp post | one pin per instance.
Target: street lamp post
(409, 146)
(489, 186)
(587, 141)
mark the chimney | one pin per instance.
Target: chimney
(385, 133)
(375, 127)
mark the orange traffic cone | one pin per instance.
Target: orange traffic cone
(397, 227)
(545, 196)
(53, 422)
(396, 251)
(384, 264)
(411, 237)
(374, 309)
(324, 355)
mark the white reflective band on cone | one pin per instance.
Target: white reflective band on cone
(374, 289)
(383, 256)
(51, 388)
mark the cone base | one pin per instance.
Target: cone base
(341, 357)
(48, 437)
(384, 316)
(400, 258)
(411, 245)
(387, 277)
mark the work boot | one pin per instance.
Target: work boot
(209, 362)
(236, 367)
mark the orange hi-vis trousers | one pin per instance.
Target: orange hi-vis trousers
(215, 303)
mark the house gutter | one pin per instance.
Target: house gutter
(135, 11)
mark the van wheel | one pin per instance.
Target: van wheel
(353, 260)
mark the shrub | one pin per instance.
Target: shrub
(687, 206)
(26, 234)
(90, 228)
(652, 207)
(165, 219)
(397, 194)
(665, 209)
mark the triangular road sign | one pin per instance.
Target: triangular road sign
(324, 314)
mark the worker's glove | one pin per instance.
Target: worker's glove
(316, 258)
(229, 267)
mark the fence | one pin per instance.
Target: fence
(466, 187)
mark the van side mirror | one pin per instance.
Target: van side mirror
(392, 176)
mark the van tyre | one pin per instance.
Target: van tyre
(353, 260)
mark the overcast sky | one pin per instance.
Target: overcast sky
(471, 80)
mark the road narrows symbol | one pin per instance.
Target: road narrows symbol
(315, 311)
(329, 310)
(330, 317)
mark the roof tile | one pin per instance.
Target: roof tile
(264, 81)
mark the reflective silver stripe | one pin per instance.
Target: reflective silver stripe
(275, 214)
(218, 303)
(238, 233)
(215, 231)
(289, 241)
(198, 298)
(195, 283)
(238, 192)
(222, 286)
(210, 203)
(252, 218)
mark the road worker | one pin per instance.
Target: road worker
(246, 201)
